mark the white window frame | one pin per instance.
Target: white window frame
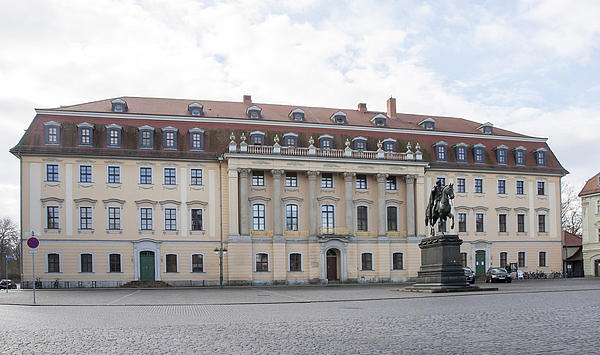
(176, 264)
(366, 182)
(482, 213)
(201, 177)
(545, 223)
(79, 213)
(191, 222)
(151, 218)
(482, 186)
(268, 261)
(545, 258)
(524, 222)
(505, 189)
(397, 217)
(165, 208)
(192, 263)
(264, 218)
(80, 265)
(464, 185)
(108, 175)
(108, 263)
(392, 261)
(523, 188)
(57, 173)
(151, 175)
(59, 263)
(507, 257)
(521, 251)
(285, 217)
(46, 219)
(372, 261)
(91, 174)
(466, 222)
(290, 261)
(356, 217)
(164, 176)
(537, 190)
(505, 221)
(120, 207)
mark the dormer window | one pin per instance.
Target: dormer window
(254, 112)
(85, 133)
(169, 137)
(360, 143)
(478, 153)
(290, 140)
(196, 138)
(339, 117)
(501, 156)
(118, 105)
(540, 156)
(389, 145)
(460, 150)
(441, 151)
(195, 109)
(257, 138)
(486, 128)
(297, 114)
(326, 141)
(146, 137)
(379, 120)
(52, 132)
(519, 153)
(428, 123)
(113, 135)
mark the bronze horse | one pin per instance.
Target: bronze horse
(440, 210)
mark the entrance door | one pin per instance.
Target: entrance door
(480, 263)
(332, 265)
(147, 266)
(597, 267)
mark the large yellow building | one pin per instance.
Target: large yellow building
(146, 189)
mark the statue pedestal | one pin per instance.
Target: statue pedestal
(441, 268)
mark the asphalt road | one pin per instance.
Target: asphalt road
(526, 317)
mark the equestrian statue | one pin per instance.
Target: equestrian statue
(439, 206)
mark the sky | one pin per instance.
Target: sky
(527, 66)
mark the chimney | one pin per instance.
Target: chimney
(362, 107)
(391, 107)
(248, 99)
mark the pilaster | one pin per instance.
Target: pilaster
(348, 192)
(244, 204)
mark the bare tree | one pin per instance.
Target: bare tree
(9, 244)
(570, 209)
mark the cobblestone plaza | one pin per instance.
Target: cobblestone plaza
(525, 317)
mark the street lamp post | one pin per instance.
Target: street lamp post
(220, 252)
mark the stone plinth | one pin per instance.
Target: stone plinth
(441, 269)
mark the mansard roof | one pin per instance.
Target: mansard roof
(592, 186)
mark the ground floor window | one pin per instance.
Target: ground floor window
(197, 263)
(114, 262)
(542, 258)
(171, 262)
(397, 261)
(521, 259)
(295, 262)
(367, 261)
(53, 262)
(463, 260)
(262, 262)
(503, 259)
(86, 263)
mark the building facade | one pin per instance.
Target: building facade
(146, 189)
(590, 204)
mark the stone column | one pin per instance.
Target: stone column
(277, 219)
(410, 204)
(244, 206)
(381, 210)
(348, 190)
(233, 203)
(313, 207)
(422, 195)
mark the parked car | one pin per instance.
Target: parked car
(469, 275)
(7, 284)
(497, 274)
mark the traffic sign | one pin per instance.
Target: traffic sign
(32, 234)
(33, 251)
(33, 242)
(10, 256)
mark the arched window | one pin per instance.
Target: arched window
(197, 263)
(397, 261)
(171, 263)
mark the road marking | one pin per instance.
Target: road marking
(281, 294)
(118, 299)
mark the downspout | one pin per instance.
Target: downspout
(21, 215)
(221, 209)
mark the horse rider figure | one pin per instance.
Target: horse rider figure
(434, 210)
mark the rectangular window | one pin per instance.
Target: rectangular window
(52, 217)
(598, 206)
(196, 177)
(146, 139)
(113, 138)
(258, 178)
(291, 179)
(170, 219)
(115, 263)
(503, 259)
(478, 186)
(196, 141)
(520, 190)
(479, 222)
(327, 180)
(291, 217)
(290, 141)
(463, 259)
(257, 139)
(542, 259)
(441, 153)
(145, 176)
(52, 172)
(367, 262)
(295, 262)
(520, 223)
(171, 263)
(541, 158)
(258, 217)
(521, 259)
(114, 218)
(502, 187)
(86, 262)
(501, 156)
(479, 155)
(170, 176)
(392, 218)
(114, 174)
(520, 157)
(262, 262)
(53, 135)
(461, 186)
(462, 222)
(197, 219)
(325, 144)
(53, 263)
(197, 263)
(359, 145)
(170, 140)
(461, 154)
(85, 217)
(85, 173)
(502, 224)
(146, 219)
(541, 188)
(84, 138)
(442, 180)
(398, 261)
(390, 183)
(542, 223)
(361, 218)
(361, 181)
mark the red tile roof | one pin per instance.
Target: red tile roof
(592, 186)
(571, 240)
